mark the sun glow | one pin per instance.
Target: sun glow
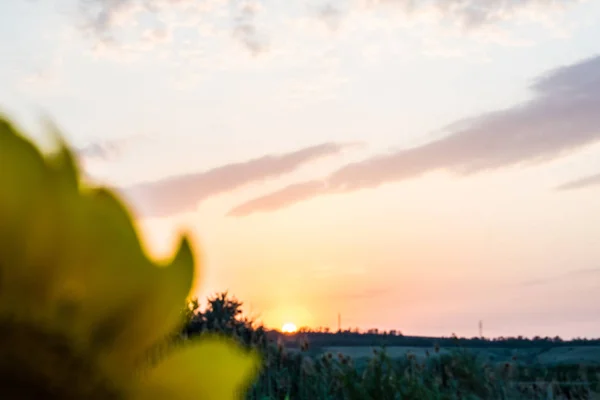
(288, 327)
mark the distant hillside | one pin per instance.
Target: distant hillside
(563, 355)
(346, 339)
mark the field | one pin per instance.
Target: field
(588, 355)
(561, 372)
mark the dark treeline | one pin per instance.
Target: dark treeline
(393, 338)
(224, 313)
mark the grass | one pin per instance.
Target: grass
(455, 374)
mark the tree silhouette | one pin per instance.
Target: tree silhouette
(224, 315)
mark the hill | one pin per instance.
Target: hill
(370, 339)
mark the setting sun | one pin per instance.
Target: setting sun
(288, 328)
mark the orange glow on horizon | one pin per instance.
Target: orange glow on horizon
(289, 327)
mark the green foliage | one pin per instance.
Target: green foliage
(83, 309)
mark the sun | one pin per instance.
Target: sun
(288, 327)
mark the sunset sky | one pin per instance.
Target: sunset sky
(417, 165)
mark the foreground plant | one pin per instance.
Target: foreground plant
(81, 305)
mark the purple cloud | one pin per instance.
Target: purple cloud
(287, 196)
(581, 183)
(561, 117)
(182, 193)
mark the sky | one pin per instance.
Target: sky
(418, 165)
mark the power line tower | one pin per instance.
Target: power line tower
(339, 322)
(481, 329)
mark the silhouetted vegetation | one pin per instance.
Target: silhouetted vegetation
(298, 366)
(356, 338)
(223, 314)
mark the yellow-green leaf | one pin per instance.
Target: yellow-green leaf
(212, 368)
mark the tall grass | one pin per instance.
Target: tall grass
(457, 375)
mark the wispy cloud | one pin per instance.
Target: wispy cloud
(107, 150)
(483, 20)
(245, 29)
(329, 14)
(476, 12)
(98, 151)
(561, 117)
(103, 15)
(182, 193)
(578, 273)
(587, 181)
(285, 197)
(107, 21)
(472, 14)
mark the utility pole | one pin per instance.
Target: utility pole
(481, 329)
(339, 322)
